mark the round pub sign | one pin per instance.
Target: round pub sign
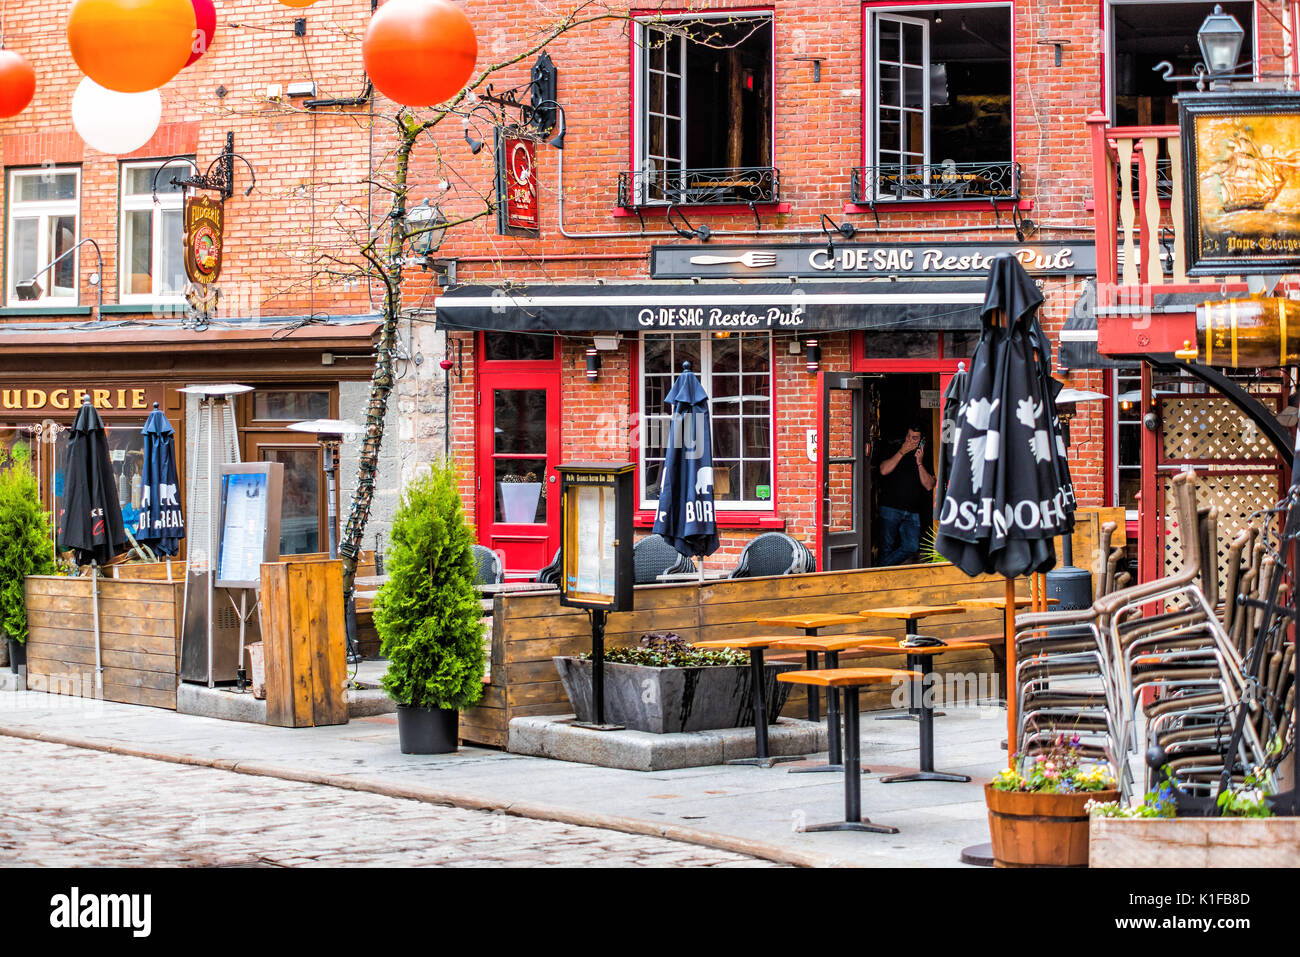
(204, 226)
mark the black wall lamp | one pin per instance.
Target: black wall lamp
(593, 364)
(814, 356)
(830, 227)
(687, 231)
(29, 290)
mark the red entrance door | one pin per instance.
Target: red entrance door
(518, 449)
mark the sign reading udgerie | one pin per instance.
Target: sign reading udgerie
(868, 261)
(204, 231)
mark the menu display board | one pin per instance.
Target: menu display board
(248, 530)
(596, 549)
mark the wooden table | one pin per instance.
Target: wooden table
(830, 646)
(755, 645)
(1000, 602)
(910, 615)
(921, 661)
(810, 625)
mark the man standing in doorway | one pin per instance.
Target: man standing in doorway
(905, 485)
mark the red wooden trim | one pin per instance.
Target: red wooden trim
(730, 209)
(1103, 191)
(1151, 509)
(645, 518)
(1139, 132)
(938, 206)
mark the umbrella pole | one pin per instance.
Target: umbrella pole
(1009, 625)
(94, 613)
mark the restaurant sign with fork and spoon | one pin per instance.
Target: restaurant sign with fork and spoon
(867, 260)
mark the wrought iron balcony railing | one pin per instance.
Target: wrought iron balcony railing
(942, 182)
(699, 187)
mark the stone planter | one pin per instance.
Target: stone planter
(672, 700)
(1194, 842)
(1040, 830)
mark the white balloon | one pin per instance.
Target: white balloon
(113, 122)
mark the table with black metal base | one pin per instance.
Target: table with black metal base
(831, 647)
(755, 647)
(810, 625)
(910, 615)
(848, 681)
(921, 661)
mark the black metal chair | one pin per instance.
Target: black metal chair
(653, 556)
(490, 570)
(773, 553)
(550, 575)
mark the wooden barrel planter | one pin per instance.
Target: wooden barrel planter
(1040, 830)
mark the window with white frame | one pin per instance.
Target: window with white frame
(152, 245)
(43, 223)
(1143, 33)
(938, 103)
(703, 101)
(736, 372)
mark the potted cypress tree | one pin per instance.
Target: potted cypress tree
(428, 615)
(26, 549)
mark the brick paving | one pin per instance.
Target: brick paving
(77, 808)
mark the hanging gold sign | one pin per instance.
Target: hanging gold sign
(204, 229)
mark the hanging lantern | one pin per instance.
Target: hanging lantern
(17, 83)
(205, 28)
(113, 122)
(131, 46)
(419, 52)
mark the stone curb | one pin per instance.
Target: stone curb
(540, 812)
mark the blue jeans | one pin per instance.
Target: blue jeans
(900, 535)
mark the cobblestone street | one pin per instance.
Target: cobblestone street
(70, 807)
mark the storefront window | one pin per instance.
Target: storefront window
(290, 405)
(153, 251)
(43, 207)
(125, 452)
(736, 372)
(517, 347)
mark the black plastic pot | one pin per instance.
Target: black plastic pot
(17, 655)
(428, 730)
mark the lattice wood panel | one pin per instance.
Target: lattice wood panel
(1237, 496)
(1198, 428)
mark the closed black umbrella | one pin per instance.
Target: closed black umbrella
(1010, 493)
(91, 523)
(685, 513)
(161, 524)
(954, 399)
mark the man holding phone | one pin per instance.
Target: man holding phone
(905, 486)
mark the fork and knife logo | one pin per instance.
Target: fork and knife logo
(752, 260)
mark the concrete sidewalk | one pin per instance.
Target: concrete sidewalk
(751, 810)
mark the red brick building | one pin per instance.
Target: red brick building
(934, 129)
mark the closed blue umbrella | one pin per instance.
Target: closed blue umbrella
(685, 514)
(161, 525)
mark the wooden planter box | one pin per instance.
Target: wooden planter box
(1194, 842)
(139, 629)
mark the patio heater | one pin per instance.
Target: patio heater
(209, 645)
(331, 433)
(1072, 587)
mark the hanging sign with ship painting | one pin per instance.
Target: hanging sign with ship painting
(1241, 182)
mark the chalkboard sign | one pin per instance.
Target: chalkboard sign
(248, 529)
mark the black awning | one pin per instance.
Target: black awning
(1077, 347)
(663, 306)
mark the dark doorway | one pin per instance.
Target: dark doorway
(901, 401)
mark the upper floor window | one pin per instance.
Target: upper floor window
(703, 107)
(736, 372)
(938, 104)
(152, 245)
(43, 214)
(1142, 33)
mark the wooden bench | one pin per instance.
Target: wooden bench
(848, 681)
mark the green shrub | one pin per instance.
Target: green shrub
(427, 613)
(25, 545)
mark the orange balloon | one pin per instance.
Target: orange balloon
(419, 52)
(297, 3)
(17, 83)
(131, 46)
